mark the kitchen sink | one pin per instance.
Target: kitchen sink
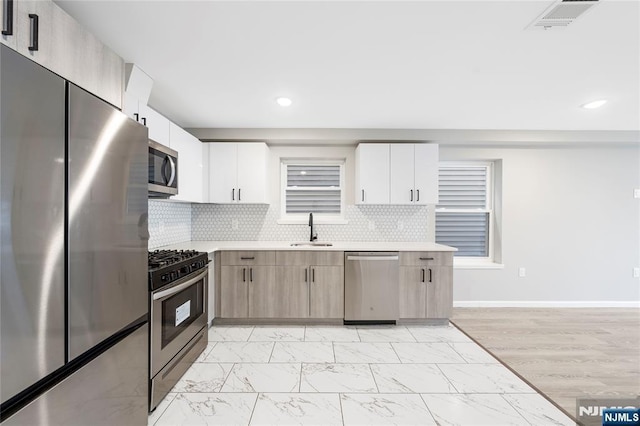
(311, 244)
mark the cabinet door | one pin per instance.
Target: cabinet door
(190, 167)
(10, 39)
(326, 298)
(252, 172)
(159, 128)
(413, 292)
(234, 294)
(402, 171)
(372, 173)
(130, 106)
(223, 171)
(439, 291)
(289, 296)
(263, 292)
(426, 176)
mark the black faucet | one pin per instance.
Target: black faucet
(313, 236)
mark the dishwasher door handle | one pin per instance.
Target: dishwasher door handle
(372, 257)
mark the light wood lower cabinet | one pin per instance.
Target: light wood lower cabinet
(439, 291)
(234, 292)
(413, 293)
(426, 289)
(290, 296)
(326, 295)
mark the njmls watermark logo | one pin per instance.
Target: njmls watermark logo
(608, 412)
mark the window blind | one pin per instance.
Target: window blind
(463, 216)
(313, 189)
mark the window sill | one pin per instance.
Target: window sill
(316, 221)
(465, 264)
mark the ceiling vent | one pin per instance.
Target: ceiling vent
(561, 14)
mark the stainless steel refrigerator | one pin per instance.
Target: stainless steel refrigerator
(73, 261)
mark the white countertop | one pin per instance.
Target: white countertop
(212, 246)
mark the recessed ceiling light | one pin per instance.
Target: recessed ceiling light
(285, 102)
(594, 104)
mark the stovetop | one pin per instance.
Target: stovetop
(167, 266)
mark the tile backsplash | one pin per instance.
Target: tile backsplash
(169, 223)
(247, 222)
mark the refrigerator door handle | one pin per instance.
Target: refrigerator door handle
(34, 32)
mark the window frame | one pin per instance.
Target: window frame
(471, 261)
(303, 218)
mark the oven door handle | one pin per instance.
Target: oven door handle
(173, 290)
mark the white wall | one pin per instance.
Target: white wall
(569, 217)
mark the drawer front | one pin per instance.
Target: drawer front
(426, 258)
(293, 258)
(309, 257)
(327, 258)
(240, 258)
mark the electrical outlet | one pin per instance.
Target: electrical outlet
(234, 224)
(636, 272)
(522, 272)
(372, 225)
(400, 226)
(636, 193)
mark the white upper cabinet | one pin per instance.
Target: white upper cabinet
(46, 34)
(238, 172)
(190, 165)
(158, 125)
(372, 173)
(402, 173)
(426, 173)
(414, 173)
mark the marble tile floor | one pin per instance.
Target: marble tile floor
(369, 375)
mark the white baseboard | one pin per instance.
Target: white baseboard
(545, 304)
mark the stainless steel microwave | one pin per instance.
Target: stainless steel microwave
(163, 171)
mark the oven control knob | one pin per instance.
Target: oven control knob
(174, 275)
(164, 277)
(185, 269)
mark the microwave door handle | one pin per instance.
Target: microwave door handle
(177, 289)
(173, 170)
(162, 169)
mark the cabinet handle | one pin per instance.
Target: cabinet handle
(144, 121)
(306, 273)
(417, 195)
(136, 116)
(233, 194)
(34, 32)
(247, 258)
(239, 197)
(244, 275)
(251, 274)
(422, 272)
(313, 275)
(363, 195)
(426, 258)
(7, 25)
(411, 195)
(430, 275)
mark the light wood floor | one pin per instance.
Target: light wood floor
(567, 353)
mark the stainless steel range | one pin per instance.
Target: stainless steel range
(178, 281)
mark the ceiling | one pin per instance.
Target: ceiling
(381, 64)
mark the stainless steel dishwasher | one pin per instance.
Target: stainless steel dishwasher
(371, 291)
